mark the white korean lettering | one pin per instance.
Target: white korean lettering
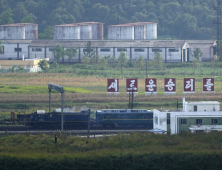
(189, 84)
(114, 85)
(151, 85)
(132, 85)
(170, 85)
(208, 85)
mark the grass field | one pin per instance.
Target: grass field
(31, 89)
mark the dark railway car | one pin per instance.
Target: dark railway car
(53, 119)
(125, 117)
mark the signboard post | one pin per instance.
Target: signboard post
(132, 85)
(112, 86)
(208, 84)
(150, 86)
(169, 86)
(189, 85)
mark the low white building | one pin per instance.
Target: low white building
(194, 117)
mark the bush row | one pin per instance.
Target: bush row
(150, 161)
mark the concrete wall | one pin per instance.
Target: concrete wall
(206, 49)
(140, 32)
(152, 53)
(66, 32)
(97, 31)
(151, 31)
(85, 32)
(31, 31)
(9, 51)
(137, 52)
(121, 32)
(12, 32)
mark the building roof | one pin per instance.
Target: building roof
(23, 41)
(108, 43)
(201, 41)
(18, 24)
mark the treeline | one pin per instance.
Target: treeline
(177, 19)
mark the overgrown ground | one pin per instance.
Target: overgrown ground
(135, 143)
(27, 92)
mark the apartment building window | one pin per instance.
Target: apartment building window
(104, 49)
(156, 120)
(173, 50)
(121, 49)
(156, 50)
(199, 121)
(139, 49)
(183, 121)
(213, 121)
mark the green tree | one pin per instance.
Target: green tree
(1, 48)
(71, 52)
(139, 63)
(89, 50)
(48, 33)
(123, 58)
(27, 19)
(103, 63)
(85, 61)
(158, 60)
(215, 64)
(58, 52)
(197, 54)
(20, 69)
(43, 64)
(19, 11)
(95, 61)
(195, 64)
(54, 65)
(6, 17)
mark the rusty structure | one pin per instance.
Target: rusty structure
(82, 31)
(27, 31)
(133, 31)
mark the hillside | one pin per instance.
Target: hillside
(177, 19)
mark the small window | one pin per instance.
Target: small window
(36, 49)
(144, 117)
(173, 50)
(156, 120)
(139, 49)
(213, 121)
(17, 49)
(168, 121)
(156, 50)
(50, 115)
(194, 108)
(124, 117)
(199, 121)
(51, 49)
(121, 49)
(183, 121)
(104, 49)
(104, 117)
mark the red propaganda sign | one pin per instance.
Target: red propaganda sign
(150, 85)
(208, 84)
(189, 85)
(112, 85)
(170, 85)
(131, 84)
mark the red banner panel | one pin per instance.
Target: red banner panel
(189, 85)
(113, 85)
(208, 84)
(150, 85)
(170, 85)
(131, 84)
